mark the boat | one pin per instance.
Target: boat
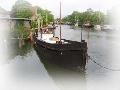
(64, 53)
(107, 27)
(56, 25)
(97, 27)
(87, 25)
(76, 24)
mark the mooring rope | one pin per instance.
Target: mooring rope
(88, 57)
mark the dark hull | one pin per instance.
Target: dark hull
(71, 56)
(67, 79)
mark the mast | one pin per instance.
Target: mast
(81, 34)
(99, 17)
(38, 24)
(60, 21)
(46, 19)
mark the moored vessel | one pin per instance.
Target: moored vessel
(65, 53)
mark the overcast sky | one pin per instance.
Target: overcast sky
(68, 6)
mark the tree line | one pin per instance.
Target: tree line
(94, 17)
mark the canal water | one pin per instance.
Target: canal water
(22, 68)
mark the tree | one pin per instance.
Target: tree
(33, 23)
(90, 12)
(24, 12)
(98, 17)
(40, 10)
(48, 16)
(83, 17)
(20, 32)
(45, 15)
(19, 4)
(89, 15)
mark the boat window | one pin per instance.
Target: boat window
(48, 31)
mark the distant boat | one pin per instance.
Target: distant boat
(76, 24)
(56, 25)
(87, 25)
(65, 53)
(107, 27)
(97, 27)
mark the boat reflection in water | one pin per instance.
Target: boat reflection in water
(65, 79)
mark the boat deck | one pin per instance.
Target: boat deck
(65, 45)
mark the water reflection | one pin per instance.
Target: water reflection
(103, 48)
(11, 49)
(65, 79)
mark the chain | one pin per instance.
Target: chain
(88, 57)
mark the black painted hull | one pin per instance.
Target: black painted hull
(71, 56)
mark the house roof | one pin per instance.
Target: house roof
(5, 18)
(4, 11)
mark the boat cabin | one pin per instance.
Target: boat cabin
(47, 34)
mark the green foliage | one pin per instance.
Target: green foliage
(83, 17)
(21, 9)
(40, 11)
(24, 12)
(46, 15)
(20, 32)
(33, 23)
(19, 4)
(22, 3)
(19, 23)
(94, 17)
(89, 13)
(98, 17)
(13, 11)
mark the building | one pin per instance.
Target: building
(7, 23)
(4, 13)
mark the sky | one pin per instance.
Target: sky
(68, 6)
